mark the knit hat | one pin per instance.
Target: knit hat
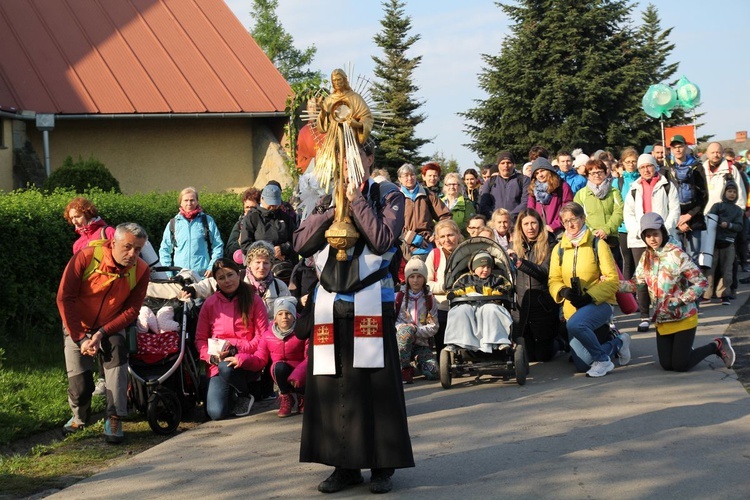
(729, 184)
(271, 195)
(286, 303)
(415, 265)
(504, 155)
(541, 164)
(481, 258)
(644, 159)
(580, 160)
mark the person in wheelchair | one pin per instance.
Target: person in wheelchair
(481, 324)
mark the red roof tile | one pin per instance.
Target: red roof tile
(133, 56)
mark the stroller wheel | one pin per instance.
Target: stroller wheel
(519, 360)
(446, 376)
(164, 411)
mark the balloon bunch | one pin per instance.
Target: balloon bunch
(660, 99)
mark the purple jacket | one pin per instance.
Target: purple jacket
(551, 212)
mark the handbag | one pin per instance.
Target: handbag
(625, 300)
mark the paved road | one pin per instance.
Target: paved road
(637, 433)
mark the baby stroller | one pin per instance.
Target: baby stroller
(164, 377)
(504, 361)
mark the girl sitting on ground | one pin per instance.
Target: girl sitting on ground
(674, 285)
(416, 323)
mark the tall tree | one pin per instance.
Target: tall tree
(395, 89)
(571, 74)
(292, 63)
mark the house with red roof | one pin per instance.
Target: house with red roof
(166, 93)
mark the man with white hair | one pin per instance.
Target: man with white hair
(718, 170)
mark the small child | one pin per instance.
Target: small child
(674, 284)
(730, 224)
(479, 325)
(288, 355)
(416, 323)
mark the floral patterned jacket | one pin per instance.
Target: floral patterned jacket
(673, 280)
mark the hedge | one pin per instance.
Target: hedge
(36, 245)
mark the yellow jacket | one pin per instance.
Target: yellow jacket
(600, 282)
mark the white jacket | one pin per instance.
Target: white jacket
(716, 183)
(666, 205)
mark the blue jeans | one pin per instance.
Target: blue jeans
(219, 397)
(581, 327)
(691, 243)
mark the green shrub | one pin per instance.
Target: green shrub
(37, 244)
(81, 176)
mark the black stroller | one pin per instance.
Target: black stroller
(164, 373)
(504, 361)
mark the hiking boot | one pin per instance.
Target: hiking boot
(623, 355)
(600, 368)
(286, 403)
(113, 430)
(644, 325)
(101, 388)
(380, 480)
(242, 405)
(71, 427)
(340, 479)
(725, 351)
(407, 375)
(300, 403)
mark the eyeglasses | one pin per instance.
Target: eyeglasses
(597, 172)
(572, 221)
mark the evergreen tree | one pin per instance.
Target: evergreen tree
(292, 63)
(394, 90)
(571, 74)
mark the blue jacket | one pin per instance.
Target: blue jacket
(191, 251)
(575, 180)
(623, 184)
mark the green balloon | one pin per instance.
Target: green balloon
(659, 101)
(688, 93)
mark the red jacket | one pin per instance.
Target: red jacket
(99, 302)
(290, 350)
(220, 318)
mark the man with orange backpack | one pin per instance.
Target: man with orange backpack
(100, 294)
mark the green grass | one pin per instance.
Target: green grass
(33, 390)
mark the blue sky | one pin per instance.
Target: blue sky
(711, 52)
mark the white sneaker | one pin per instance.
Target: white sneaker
(600, 368)
(624, 353)
(100, 389)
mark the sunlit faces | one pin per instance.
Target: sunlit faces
(572, 223)
(471, 181)
(630, 163)
(431, 178)
(679, 151)
(260, 266)
(227, 280)
(408, 180)
(189, 201)
(658, 153)
(564, 162)
(284, 319)
(715, 153)
(77, 218)
(447, 239)
(542, 175)
(506, 168)
(501, 223)
(474, 226)
(486, 175)
(597, 176)
(483, 272)
(530, 227)
(653, 238)
(647, 171)
(126, 250)
(416, 282)
(730, 194)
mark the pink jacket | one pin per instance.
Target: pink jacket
(291, 350)
(91, 232)
(551, 212)
(220, 318)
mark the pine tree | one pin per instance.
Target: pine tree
(571, 74)
(292, 63)
(394, 89)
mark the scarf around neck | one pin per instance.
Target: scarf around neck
(541, 194)
(93, 225)
(192, 214)
(282, 334)
(602, 189)
(262, 284)
(576, 239)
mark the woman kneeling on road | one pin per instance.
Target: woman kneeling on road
(674, 285)
(584, 279)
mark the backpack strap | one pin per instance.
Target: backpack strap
(206, 235)
(399, 301)
(172, 223)
(436, 258)
(596, 252)
(93, 268)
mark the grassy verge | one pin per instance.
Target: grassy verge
(62, 463)
(33, 389)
